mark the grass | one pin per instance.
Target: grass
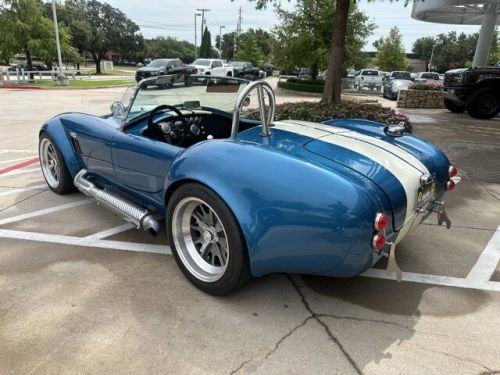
(86, 83)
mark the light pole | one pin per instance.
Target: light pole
(61, 78)
(432, 56)
(220, 40)
(195, 33)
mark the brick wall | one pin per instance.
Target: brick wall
(420, 99)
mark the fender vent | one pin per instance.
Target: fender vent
(75, 143)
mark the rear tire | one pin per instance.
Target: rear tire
(54, 167)
(453, 106)
(484, 103)
(206, 240)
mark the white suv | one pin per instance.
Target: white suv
(212, 67)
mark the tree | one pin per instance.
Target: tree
(206, 44)
(452, 50)
(169, 47)
(25, 29)
(303, 38)
(104, 29)
(249, 50)
(390, 52)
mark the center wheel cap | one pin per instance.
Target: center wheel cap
(207, 236)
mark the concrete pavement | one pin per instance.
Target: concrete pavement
(78, 295)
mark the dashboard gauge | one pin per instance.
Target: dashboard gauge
(166, 127)
(195, 129)
(178, 123)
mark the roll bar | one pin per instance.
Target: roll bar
(267, 121)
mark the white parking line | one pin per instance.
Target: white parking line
(45, 211)
(110, 232)
(85, 242)
(20, 190)
(18, 151)
(421, 278)
(20, 171)
(487, 261)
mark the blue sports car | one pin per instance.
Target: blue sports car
(241, 197)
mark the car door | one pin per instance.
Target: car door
(217, 68)
(177, 70)
(140, 163)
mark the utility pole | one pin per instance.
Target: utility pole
(202, 10)
(220, 40)
(61, 78)
(195, 33)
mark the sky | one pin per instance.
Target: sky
(176, 18)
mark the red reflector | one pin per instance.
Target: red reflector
(452, 171)
(378, 241)
(450, 185)
(381, 221)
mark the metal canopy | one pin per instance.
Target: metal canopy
(460, 12)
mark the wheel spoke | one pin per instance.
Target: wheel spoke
(200, 222)
(221, 253)
(203, 249)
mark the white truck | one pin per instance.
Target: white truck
(370, 78)
(213, 67)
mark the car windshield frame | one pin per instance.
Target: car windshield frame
(222, 93)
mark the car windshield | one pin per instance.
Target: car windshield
(158, 63)
(237, 64)
(369, 73)
(203, 62)
(431, 76)
(192, 92)
(401, 75)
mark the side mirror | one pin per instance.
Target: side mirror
(118, 110)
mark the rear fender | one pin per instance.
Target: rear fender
(296, 216)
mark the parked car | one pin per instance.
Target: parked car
(244, 69)
(429, 78)
(214, 67)
(475, 90)
(394, 82)
(36, 67)
(175, 68)
(242, 198)
(369, 78)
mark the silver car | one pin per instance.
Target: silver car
(394, 82)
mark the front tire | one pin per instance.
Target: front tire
(483, 104)
(453, 106)
(206, 240)
(54, 167)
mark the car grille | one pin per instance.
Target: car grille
(452, 79)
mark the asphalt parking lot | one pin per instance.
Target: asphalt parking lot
(81, 292)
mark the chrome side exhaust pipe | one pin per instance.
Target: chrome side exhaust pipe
(131, 212)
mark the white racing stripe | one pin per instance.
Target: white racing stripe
(395, 160)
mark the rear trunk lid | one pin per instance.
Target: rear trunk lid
(394, 170)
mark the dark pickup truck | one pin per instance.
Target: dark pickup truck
(475, 90)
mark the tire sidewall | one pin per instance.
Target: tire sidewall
(473, 109)
(237, 272)
(65, 185)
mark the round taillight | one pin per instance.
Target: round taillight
(452, 171)
(450, 185)
(378, 241)
(381, 221)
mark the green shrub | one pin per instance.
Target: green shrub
(305, 87)
(307, 81)
(319, 112)
(425, 87)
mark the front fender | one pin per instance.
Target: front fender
(295, 215)
(55, 129)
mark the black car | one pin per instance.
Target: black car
(36, 67)
(174, 67)
(475, 90)
(244, 69)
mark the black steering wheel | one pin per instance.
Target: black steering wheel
(154, 129)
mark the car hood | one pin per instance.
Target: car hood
(456, 71)
(401, 83)
(393, 167)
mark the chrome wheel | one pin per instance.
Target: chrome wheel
(200, 239)
(49, 162)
